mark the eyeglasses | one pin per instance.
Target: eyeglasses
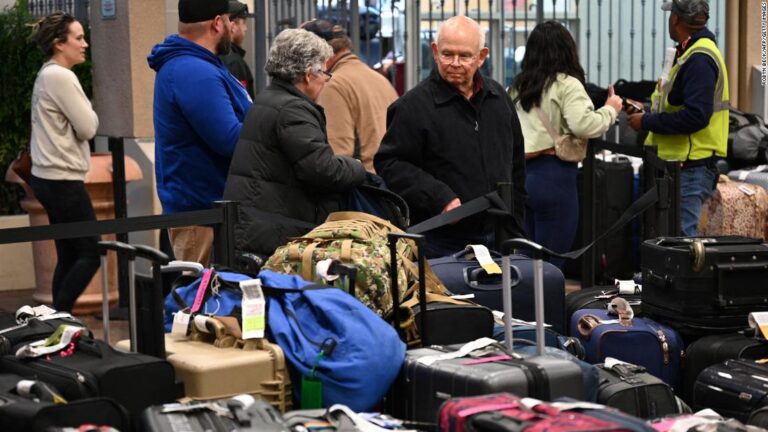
(327, 74)
(464, 59)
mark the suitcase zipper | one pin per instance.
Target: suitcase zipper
(83, 383)
(600, 341)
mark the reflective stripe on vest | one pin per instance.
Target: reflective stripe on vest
(713, 139)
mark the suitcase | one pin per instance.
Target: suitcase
(735, 208)
(36, 413)
(598, 298)
(614, 193)
(506, 412)
(220, 365)
(714, 349)
(759, 417)
(462, 274)
(656, 347)
(704, 286)
(420, 388)
(634, 391)
(733, 388)
(239, 414)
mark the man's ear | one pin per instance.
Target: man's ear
(482, 56)
(435, 51)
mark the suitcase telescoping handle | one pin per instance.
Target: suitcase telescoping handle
(152, 340)
(130, 253)
(419, 239)
(538, 252)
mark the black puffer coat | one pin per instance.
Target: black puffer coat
(283, 164)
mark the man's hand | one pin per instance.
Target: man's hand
(452, 205)
(636, 121)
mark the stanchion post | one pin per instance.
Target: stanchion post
(117, 148)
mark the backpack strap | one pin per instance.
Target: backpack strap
(306, 261)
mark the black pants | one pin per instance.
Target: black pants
(78, 258)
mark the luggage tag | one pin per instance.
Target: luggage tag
(180, 324)
(253, 306)
(483, 256)
(311, 386)
(759, 322)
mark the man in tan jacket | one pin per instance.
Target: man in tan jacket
(355, 100)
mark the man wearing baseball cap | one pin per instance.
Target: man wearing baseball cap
(235, 60)
(688, 121)
(198, 110)
(355, 100)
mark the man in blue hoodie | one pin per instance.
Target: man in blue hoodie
(199, 109)
(688, 121)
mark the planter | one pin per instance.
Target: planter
(98, 182)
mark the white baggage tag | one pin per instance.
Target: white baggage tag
(180, 323)
(759, 321)
(746, 190)
(483, 256)
(628, 287)
(254, 317)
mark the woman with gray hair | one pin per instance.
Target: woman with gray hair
(283, 163)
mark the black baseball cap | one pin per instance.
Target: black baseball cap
(325, 29)
(237, 10)
(192, 11)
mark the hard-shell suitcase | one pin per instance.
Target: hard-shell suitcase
(656, 347)
(462, 274)
(599, 297)
(238, 414)
(733, 388)
(506, 412)
(632, 390)
(735, 208)
(711, 350)
(704, 286)
(36, 413)
(428, 378)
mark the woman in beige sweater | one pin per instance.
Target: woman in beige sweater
(62, 123)
(552, 80)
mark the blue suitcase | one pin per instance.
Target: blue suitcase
(646, 343)
(461, 273)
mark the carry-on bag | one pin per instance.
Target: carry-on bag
(711, 350)
(640, 341)
(507, 412)
(631, 389)
(599, 297)
(733, 388)
(756, 176)
(433, 374)
(735, 208)
(32, 405)
(238, 414)
(463, 274)
(704, 286)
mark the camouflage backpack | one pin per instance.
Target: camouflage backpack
(358, 239)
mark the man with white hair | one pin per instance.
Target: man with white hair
(199, 109)
(453, 138)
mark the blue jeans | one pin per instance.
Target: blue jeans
(696, 185)
(552, 209)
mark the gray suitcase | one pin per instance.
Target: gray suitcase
(421, 388)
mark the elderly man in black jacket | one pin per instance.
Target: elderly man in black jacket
(453, 138)
(283, 163)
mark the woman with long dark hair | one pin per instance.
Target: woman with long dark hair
(550, 89)
(62, 123)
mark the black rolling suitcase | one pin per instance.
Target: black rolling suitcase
(423, 386)
(733, 388)
(461, 273)
(634, 391)
(239, 414)
(29, 405)
(92, 368)
(704, 286)
(711, 350)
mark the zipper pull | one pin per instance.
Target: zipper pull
(477, 126)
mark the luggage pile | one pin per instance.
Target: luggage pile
(476, 341)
